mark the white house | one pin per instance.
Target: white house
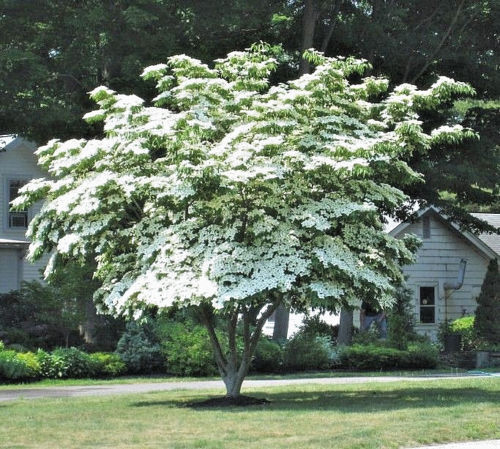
(17, 166)
(441, 289)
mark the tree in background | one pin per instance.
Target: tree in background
(235, 197)
(487, 322)
(53, 52)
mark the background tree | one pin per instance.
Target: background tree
(487, 322)
(236, 197)
(53, 52)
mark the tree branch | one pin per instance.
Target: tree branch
(207, 319)
(232, 323)
(441, 43)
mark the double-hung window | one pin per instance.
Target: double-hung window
(17, 219)
(427, 302)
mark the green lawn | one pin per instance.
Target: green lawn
(363, 416)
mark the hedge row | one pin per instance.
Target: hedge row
(58, 364)
(189, 357)
(374, 357)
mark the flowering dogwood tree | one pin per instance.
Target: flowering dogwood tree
(234, 197)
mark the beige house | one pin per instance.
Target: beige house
(17, 166)
(450, 268)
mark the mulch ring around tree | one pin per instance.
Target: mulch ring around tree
(226, 401)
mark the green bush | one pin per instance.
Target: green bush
(107, 364)
(268, 357)
(139, 349)
(304, 352)
(66, 363)
(465, 328)
(77, 364)
(376, 357)
(400, 319)
(18, 366)
(314, 326)
(487, 321)
(186, 348)
(51, 367)
(421, 355)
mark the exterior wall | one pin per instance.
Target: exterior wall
(17, 163)
(438, 262)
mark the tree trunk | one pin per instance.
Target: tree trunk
(308, 27)
(88, 327)
(233, 366)
(281, 322)
(345, 327)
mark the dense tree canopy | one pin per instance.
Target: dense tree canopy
(234, 196)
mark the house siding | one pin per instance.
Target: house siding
(438, 261)
(18, 162)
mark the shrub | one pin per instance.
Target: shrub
(16, 366)
(66, 363)
(268, 357)
(304, 352)
(139, 349)
(51, 366)
(487, 322)
(186, 348)
(314, 326)
(77, 364)
(107, 364)
(400, 319)
(465, 328)
(421, 355)
(376, 357)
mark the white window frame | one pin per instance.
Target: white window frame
(435, 305)
(7, 209)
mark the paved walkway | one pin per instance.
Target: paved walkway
(112, 389)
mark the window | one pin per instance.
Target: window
(427, 304)
(17, 219)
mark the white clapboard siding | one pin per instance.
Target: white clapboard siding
(9, 269)
(18, 162)
(438, 262)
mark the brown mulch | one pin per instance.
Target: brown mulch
(226, 401)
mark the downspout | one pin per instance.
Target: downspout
(449, 286)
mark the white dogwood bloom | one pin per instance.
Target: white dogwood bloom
(232, 195)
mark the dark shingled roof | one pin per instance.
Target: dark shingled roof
(492, 240)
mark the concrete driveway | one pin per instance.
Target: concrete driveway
(112, 389)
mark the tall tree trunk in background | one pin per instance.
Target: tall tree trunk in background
(308, 27)
(281, 321)
(345, 327)
(88, 327)
(282, 315)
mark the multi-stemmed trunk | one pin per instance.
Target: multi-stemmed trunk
(233, 364)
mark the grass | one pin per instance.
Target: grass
(357, 416)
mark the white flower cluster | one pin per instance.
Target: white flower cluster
(233, 190)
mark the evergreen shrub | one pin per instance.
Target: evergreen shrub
(487, 321)
(268, 357)
(139, 349)
(305, 352)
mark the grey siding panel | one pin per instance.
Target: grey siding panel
(9, 270)
(17, 163)
(438, 262)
